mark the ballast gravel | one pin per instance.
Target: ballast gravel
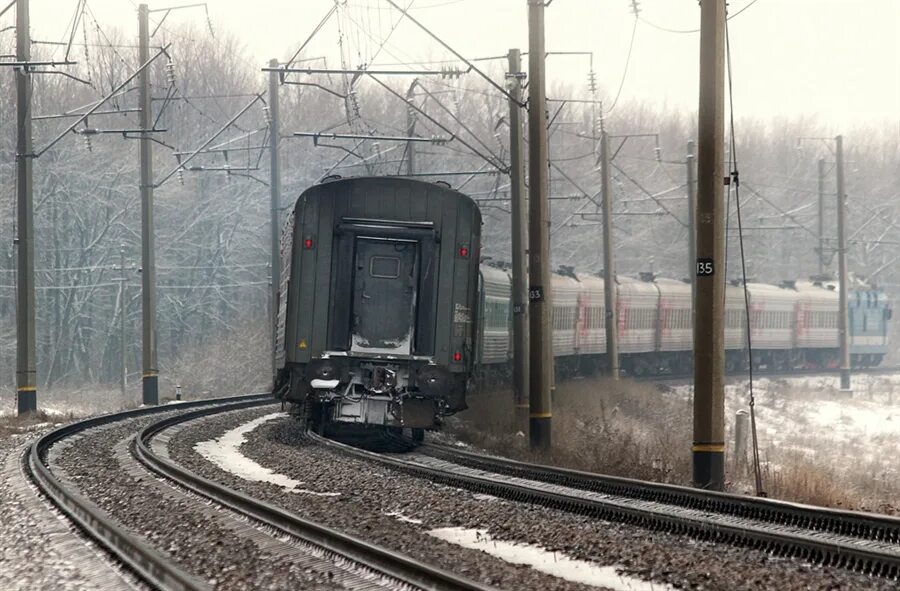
(39, 549)
(371, 498)
(171, 521)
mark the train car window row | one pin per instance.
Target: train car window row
(496, 314)
(593, 318)
(821, 319)
(734, 319)
(640, 319)
(678, 319)
(764, 319)
(563, 317)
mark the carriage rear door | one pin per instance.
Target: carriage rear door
(384, 295)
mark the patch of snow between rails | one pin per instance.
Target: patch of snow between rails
(552, 563)
(225, 452)
(401, 517)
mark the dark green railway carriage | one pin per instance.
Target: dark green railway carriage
(378, 304)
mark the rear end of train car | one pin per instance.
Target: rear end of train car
(378, 307)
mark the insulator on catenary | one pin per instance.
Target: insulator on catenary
(180, 176)
(170, 72)
(87, 143)
(267, 115)
(592, 81)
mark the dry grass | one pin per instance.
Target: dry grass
(641, 430)
(13, 425)
(620, 428)
(68, 402)
(796, 478)
(227, 367)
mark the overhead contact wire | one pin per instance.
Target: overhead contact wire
(736, 183)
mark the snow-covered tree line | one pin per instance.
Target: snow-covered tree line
(212, 228)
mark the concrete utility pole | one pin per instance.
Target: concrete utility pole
(609, 265)
(821, 228)
(122, 311)
(539, 290)
(148, 256)
(411, 128)
(519, 223)
(690, 163)
(709, 334)
(275, 203)
(844, 315)
(26, 350)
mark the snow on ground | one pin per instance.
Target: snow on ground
(401, 517)
(74, 402)
(225, 453)
(810, 418)
(552, 563)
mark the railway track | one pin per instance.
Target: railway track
(381, 566)
(865, 543)
(764, 372)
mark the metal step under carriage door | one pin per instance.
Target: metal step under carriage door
(384, 295)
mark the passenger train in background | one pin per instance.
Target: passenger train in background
(793, 325)
(385, 313)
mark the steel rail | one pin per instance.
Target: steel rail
(372, 557)
(136, 555)
(863, 542)
(869, 526)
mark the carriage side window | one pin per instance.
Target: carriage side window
(496, 314)
(560, 317)
(384, 267)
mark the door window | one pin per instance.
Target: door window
(384, 267)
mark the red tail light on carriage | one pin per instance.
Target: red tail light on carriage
(457, 357)
(464, 251)
(308, 244)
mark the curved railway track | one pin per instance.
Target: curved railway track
(155, 568)
(862, 542)
(866, 543)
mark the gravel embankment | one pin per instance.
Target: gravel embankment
(369, 494)
(204, 542)
(38, 547)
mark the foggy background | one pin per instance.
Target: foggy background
(800, 68)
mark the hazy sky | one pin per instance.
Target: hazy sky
(837, 60)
